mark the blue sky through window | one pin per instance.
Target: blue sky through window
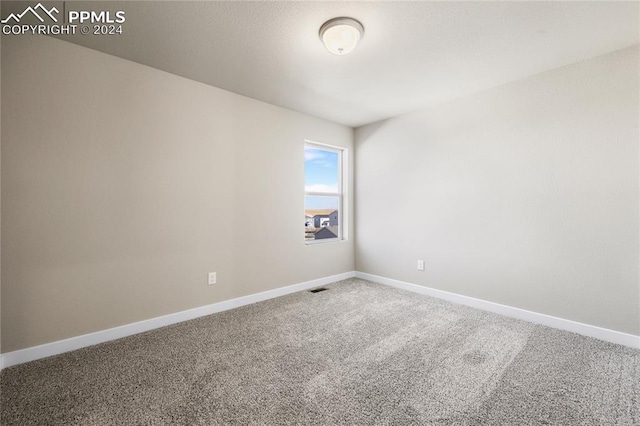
(321, 175)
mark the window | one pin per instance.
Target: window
(323, 190)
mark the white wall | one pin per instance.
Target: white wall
(0, 211)
(526, 194)
(123, 186)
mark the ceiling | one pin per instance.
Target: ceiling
(412, 55)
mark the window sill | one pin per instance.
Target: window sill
(324, 241)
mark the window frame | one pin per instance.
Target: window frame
(342, 155)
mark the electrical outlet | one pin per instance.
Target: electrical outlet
(212, 278)
(420, 265)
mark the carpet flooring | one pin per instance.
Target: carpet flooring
(357, 354)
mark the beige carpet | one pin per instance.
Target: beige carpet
(358, 353)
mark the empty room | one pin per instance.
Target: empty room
(469, 176)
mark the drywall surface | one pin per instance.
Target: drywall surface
(123, 186)
(525, 195)
(0, 208)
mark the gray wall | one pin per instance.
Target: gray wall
(0, 204)
(526, 194)
(123, 186)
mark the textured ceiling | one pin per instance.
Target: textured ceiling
(413, 54)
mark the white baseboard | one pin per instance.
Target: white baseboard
(54, 348)
(49, 349)
(605, 334)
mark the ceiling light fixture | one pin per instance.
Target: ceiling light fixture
(340, 35)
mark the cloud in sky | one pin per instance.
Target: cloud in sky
(322, 188)
(320, 158)
(321, 177)
(313, 154)
(324, 163)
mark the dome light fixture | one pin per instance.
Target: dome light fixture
(341, 35)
